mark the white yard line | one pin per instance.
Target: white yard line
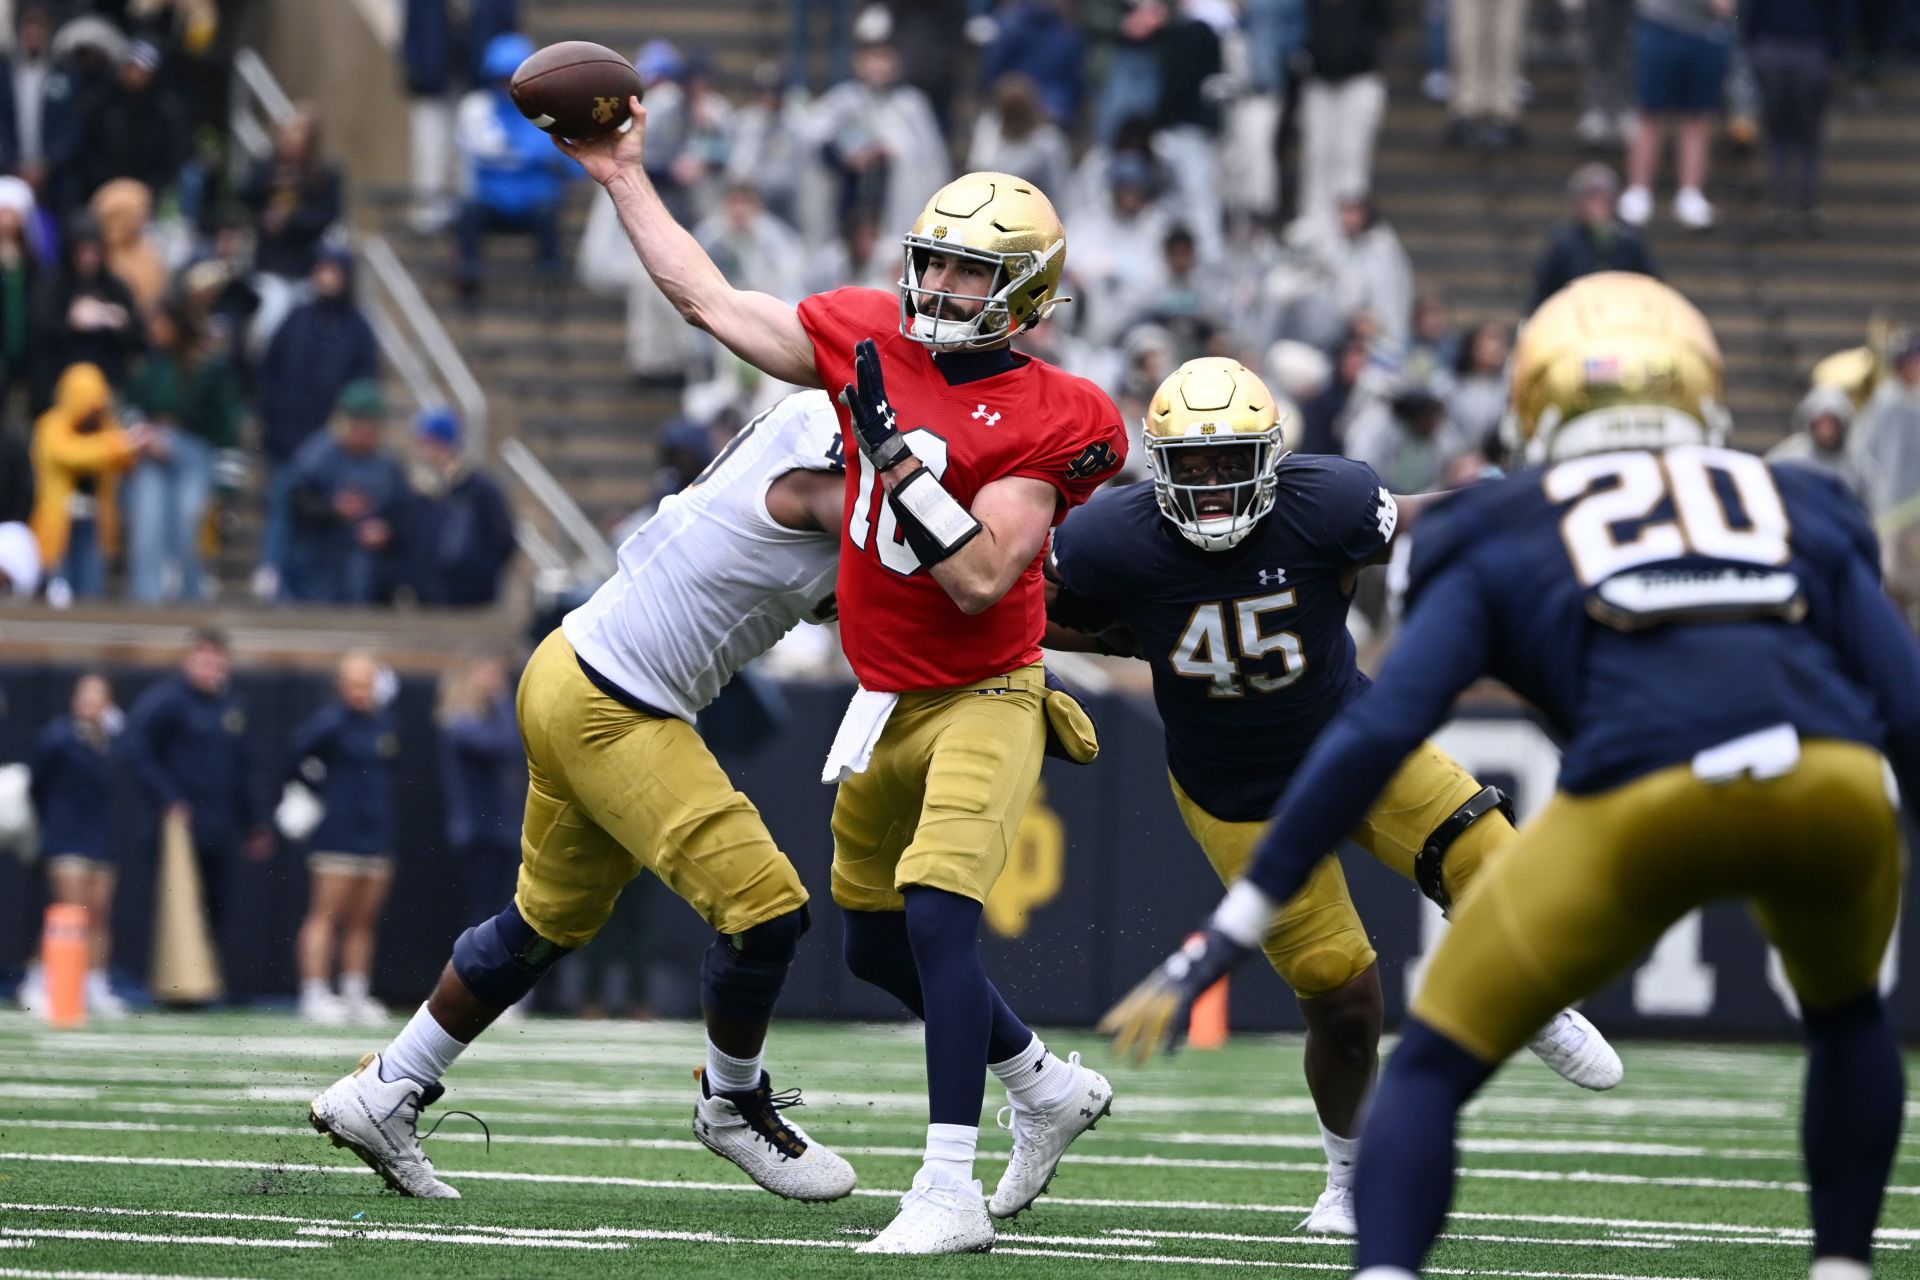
(136, 1237)
(1289, 1142)
(303, 1084)
(460, 1237)
(1577, 1176)
(16, 1273)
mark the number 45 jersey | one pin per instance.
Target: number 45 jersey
(1652, 605)
(1249, 647)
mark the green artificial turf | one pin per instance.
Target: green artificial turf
(195, 1127)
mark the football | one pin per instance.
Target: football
(576, 89)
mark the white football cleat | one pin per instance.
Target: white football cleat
(748, 1129)
(936, 1217)
(1041, 1135)
(1575, 1049)
(375, 1119)
(1332, 1214)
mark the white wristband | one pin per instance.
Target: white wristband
(1244, 914)
(945, 520)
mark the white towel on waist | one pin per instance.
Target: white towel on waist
(860, 729)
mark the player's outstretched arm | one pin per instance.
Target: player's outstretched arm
(759, 328)
(1014, 515)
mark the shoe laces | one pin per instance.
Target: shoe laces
(408, 1111)
(761, 1109)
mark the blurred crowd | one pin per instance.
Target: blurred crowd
(1213, 163)
(178, 326)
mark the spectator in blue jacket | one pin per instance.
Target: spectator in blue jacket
(1038, 38)
(323, 345)
(483, 779)
(345, 496)
(440, 54)
(345, 755)
(187, 742)
(515, 175)
(457, 536)
(71, 786)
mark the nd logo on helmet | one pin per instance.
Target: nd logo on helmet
(603, 109)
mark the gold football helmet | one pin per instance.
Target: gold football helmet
(1614, 361)
(994, 218)
(1207, 404)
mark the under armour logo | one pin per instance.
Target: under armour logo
(981, 415)
(1273, 577)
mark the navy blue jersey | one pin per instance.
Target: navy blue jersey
(1651, 606)
(349, 758)
(72, 790)
(1249, 647)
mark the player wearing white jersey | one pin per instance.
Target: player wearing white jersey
(618, 781)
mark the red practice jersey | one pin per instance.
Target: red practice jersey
(898, 626)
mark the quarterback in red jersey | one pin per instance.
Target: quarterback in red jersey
(965, 455)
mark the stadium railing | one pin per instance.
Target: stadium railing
(428, 363)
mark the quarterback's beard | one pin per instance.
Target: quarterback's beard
(944, 309)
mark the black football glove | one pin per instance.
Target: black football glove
(873, 419)
(1153, 1015)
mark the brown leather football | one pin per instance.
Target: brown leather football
(576, 89)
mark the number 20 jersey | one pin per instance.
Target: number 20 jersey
(1249, 647)
(1650, 605)
(899, 628)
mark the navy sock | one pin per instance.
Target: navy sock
(944, 930)
(1850, 1128)
(1405, 1180)
(878, 951)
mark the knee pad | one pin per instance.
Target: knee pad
(742, 974)
(1430, 863)
(1324, 970)
(500, 959)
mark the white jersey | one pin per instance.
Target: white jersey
(712, 580)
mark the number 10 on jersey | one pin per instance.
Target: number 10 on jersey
(1202, 652)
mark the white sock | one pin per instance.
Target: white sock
(1385, 1273)
(1033, 1076)
(422, 1051)
(950, 1151)
(1341, 1155)
(1840, 1269)
(97, 981)
(315, 989)
(726, 1074)
(355, 986)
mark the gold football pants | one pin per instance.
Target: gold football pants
(1591, 882)
(1317, 943)
(940, 801)
(610, 791)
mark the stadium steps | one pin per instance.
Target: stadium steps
(1779, 305)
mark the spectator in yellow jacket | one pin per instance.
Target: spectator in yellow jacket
(79, 451)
